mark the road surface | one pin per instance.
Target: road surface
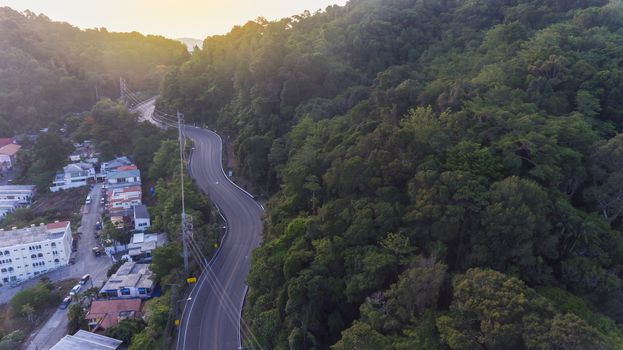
(86, 262)
(209, 322)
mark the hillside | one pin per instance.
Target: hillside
(444, 174)
(48, 69)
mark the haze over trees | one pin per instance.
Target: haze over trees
(444, 174)
(48, 69)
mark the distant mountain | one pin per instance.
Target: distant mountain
(191, 42)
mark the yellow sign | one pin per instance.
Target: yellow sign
(215, 245)
(191, 280)
(177, 322)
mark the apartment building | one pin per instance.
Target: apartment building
(28, 252)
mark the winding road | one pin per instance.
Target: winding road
(211, 317)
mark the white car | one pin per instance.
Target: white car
(75, 290)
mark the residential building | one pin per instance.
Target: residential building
(7, 155)
(6, 141)
(7, 207)
(141, 218)
(142, 245)
(132, 280)
(84, 340)
(73, 175)
(20, 193)
(124, 197)
(114, 164)
(124, 176)
(104, 314)
(28, 252)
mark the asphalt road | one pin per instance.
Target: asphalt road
(55, 327)
(211, 318)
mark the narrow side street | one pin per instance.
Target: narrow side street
(86, 263)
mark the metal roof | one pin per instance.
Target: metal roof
(84, 340)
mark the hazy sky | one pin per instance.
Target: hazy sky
(171, 18)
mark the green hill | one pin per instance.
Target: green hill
(50, 68)
(443, 174)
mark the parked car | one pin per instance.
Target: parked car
(88, 201)
(75, 290)
(97, 251)
(72, 261)
(65, 303)
(98, 225)
(84, 279)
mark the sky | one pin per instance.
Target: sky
(171, 18)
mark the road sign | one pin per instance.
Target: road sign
(177, 322)
(191, 280)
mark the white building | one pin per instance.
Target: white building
(132, 280)
(114, 164)
(73, 175)
(141, 218)
(7, 207)
(125, 197)
(28, 252)
(143, 244)
(7, 155)
(124, 176)
(20, 193)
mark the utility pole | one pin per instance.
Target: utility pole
(122, 89)
(184, 225)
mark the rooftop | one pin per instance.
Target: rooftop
(84, 340)
(12, 188)
(6, 141)
(123, 174)
(10, 149)
(129, 275)
(32, 234)
(109, 310)
(140, 212)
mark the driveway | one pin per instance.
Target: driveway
(86, 262)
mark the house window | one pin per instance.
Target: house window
(125, 291)
(10, 269)
(56, 260)
(53, 244)
(141, 291)
(3, 270)
(33, 256)
(6, 252)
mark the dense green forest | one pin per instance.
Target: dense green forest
(48, 69)
(444, 174)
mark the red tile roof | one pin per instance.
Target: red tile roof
(6, 141)
(108, 310)
(10, 149)
(126, 167)
(56, 225)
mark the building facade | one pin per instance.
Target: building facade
(28, 252)
(72, 176)
(132, 280)
(22, 194)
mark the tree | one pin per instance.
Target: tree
(165, 259)
(76, 314)
(126, 329)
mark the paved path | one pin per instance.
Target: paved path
(86, 262)
(211, 319)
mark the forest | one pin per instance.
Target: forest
(442, 174)
(50, 69)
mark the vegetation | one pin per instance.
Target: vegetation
(75, 314)
(441, 171)
(50, 69)
(125, 329)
